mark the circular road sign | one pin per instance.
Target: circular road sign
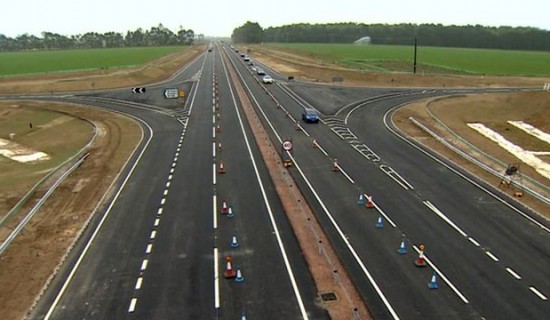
(287, 145)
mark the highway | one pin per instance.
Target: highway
(158, 249)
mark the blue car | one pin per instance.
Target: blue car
(310, 115)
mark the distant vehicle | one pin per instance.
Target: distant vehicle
(242, 55)
(253, 68)
(250, 63)
(310, 115)
(267, 79)
(260, 72)
(209, 49)
(246, 58)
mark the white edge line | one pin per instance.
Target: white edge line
(96, 231)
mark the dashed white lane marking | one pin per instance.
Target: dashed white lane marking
(168, 184)
(215, 211)
(132, 307)
(157, 221)
(153, 235)
(144, 264)
(179, 145)
(178, 149)
(138, 283)
(160, 211)
(149, 248)
(165, 192)
(163, 201)
(173, 165)
(175, 159)
(214, 132)
(216, 280)
(538, 293)
(177, 154)
(444, 217)
(384, 214)
(472, 240)
(214, 174)
(513, 273)
(170, 177)
(172, 170)
(214, 149)
(492, 256)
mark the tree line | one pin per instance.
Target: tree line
(469, 36)
(155, 36)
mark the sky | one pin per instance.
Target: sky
(220, 17)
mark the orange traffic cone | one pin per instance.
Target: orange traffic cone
(220, 147)
(225, 208)
(335, 166)
(221, 169)
(370, 203)
(218, 128)
(420, 261)
(229, 272)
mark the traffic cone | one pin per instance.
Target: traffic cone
(225, 209)
(229, 272)
(298, 128)
(221, 169)
(361, 200)
(243, 316)
(230, 213)
(370, 203)
(433, 283)
(420, 261)
(314, 143)
(234, 243)
(402, 249)
(335, 166)
(239, 277)
(379, 223)
(218, 128)
(220, 147)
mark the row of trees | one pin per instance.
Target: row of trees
(156, 36)
(520, 38)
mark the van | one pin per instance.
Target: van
(310, 115)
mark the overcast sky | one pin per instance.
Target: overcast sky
(220, 17)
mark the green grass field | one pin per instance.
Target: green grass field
(34, 62)
(429, 59)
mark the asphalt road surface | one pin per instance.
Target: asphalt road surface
(158, 251)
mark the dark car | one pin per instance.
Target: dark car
(310, 115)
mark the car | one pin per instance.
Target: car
(242, 55)
(310, 115)
(267, 79)
(246, 58)
(253, 68)
(260, 72)
(250, 63)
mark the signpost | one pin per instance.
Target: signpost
(171, 93)
(287, 147)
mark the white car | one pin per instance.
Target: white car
(267, 79)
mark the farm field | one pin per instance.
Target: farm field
(386, 58)
(36, 62)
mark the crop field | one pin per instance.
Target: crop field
(38, 62)
(388, 58)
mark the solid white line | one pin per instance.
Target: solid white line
(138, 283)
(214, 173)
(538, 293)
(322, 150)
(149, 248)
(443, 277)
(268, 206)
(444, 217)
(153, 235)
(160, 211)
(216, 280)
(492, 256)
(157, 221)
(144, 264)
(107, 212)
(383, 214)
(132, 305)
(345, 174)
(513, 273)
(215, 212)
(472, 240)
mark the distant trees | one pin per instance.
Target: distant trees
(250, 32)
(156, 36)
(520, 38)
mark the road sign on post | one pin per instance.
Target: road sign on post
(171, 93)
(287, 145)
